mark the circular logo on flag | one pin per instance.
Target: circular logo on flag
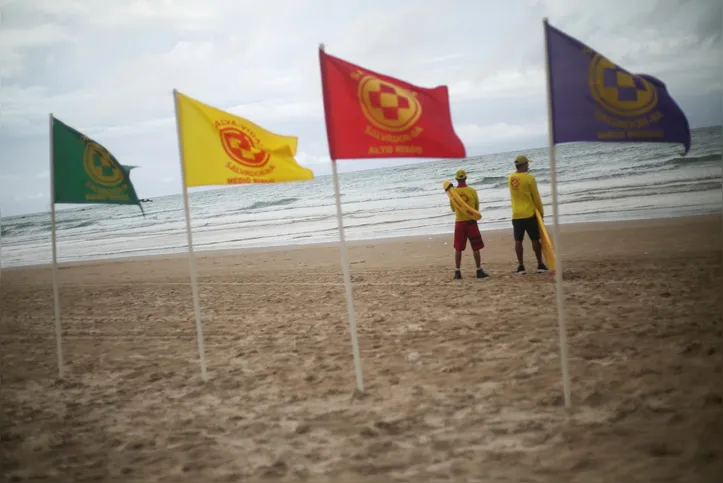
(619, 92)
(388, 106)
(241, 148)
(100, 167)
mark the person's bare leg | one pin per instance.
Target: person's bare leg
(477, 259)
(458, 259)
(519, 249)
(537, 247)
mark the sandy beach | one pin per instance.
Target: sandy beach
(463, 377)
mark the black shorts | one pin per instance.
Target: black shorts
(528, 225)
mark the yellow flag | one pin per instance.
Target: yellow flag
(548, 252)
(220, 148)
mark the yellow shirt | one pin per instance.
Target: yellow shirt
(469, 195)
(524, 195)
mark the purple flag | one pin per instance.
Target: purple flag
(594, 99)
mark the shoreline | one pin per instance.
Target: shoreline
(200, 254)
(412, 161)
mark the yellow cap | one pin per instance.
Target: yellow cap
(521, 159)
(461, 174)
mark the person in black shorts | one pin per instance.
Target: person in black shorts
(525, 202)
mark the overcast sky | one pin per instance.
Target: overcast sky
(108, 68)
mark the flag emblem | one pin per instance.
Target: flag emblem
(388, 106)
(619, 92)
(241, 148)
(100, 167)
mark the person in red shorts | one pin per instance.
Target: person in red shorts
(465, 228)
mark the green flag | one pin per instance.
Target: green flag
(85, 172)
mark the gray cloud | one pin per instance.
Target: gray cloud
(108, 69)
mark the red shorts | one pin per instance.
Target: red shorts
(464, 230)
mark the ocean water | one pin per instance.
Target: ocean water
(596, 182)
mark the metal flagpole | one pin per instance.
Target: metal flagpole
(347, 281)
(556, 233)
(56, 297)
(345, 264)
(191, 257)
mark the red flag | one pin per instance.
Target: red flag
(370, 115)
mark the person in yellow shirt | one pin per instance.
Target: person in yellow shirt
(525, 200)
(466, 228)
